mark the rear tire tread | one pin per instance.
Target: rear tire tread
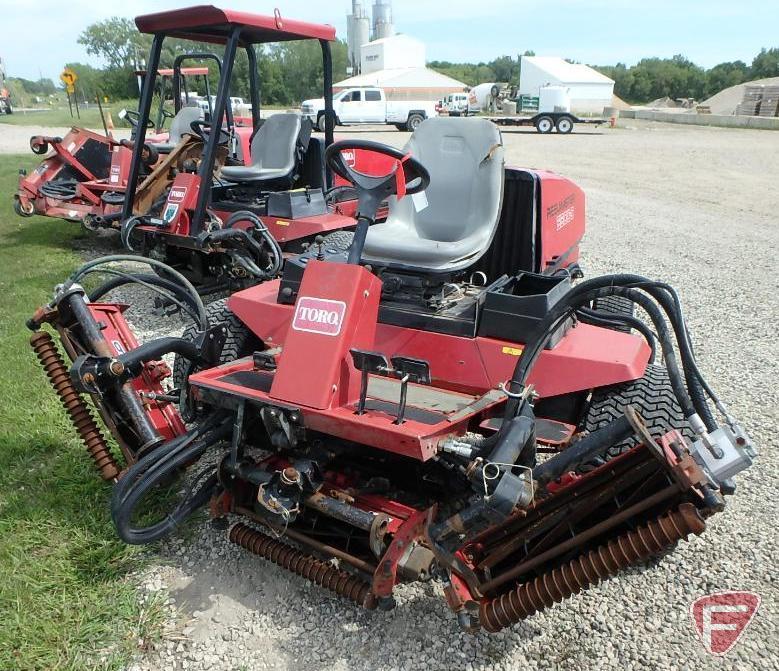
(651, 395)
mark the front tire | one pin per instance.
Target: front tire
(20, 209)
(240, 342)
(338, 241)
(651, 395)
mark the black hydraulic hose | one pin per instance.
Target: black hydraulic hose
(517, 448)
(559, 311)
(155, 469)
(60, 190)
(668, 299)
(610, 320)
(581, 296)
(696, 383)
(610, 284)
(160, 457)
(152, 282)
(154, 349)
(582, 451)
(197, 301)
(126, 230)
(277, 256)
(133, 278)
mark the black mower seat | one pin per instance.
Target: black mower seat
(465, 160)
(274, 151)
(181, 123)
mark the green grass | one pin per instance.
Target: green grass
(66, 601)
(90, 118)
(60, 116)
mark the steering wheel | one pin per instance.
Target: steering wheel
(413, 170)
(167, 114)
(134, 117)
(202, 129)
(407, 176)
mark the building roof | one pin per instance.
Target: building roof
(210, 24)
(397, 37)
(568, 73)
(423, 78)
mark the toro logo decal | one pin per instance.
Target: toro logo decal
(177, 194)
(319, 315)
(720, 618)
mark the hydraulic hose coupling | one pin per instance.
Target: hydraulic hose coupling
(700, 430)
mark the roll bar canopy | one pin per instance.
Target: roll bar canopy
(207, 23)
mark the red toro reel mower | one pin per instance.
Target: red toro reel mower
(258, 192)
(438, 401)
(83, 176)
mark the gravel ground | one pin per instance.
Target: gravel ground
(693, 206)
(16, 139)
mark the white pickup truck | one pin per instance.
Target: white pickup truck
(369, 105)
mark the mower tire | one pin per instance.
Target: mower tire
(338, 241)
(240, 341)
(20, 209)
(651, 395)
(618, 305)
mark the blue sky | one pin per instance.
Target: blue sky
(39, 36)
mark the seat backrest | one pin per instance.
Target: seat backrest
(274, 145)
(465, 160)
(181, 123)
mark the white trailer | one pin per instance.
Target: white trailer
(554, 113)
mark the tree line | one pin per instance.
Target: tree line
(288, 71)
(678, 77)
(647, 80)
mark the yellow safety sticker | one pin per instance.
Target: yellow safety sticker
(513, 351)
(279, 222)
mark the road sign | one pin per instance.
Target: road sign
(70, 88)
(68, 77)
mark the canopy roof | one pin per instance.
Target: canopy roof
(207, 23)
(187, 72)
(168, 72)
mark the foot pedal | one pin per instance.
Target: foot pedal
(368, 362)
(409, 370)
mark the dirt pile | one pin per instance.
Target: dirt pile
(726, 100)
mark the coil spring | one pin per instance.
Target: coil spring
(57, 372)
(657, 535)
(323, 574)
